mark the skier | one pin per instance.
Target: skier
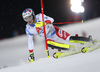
(35, 27)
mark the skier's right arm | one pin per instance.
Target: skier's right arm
(31, 48)
(30, 41)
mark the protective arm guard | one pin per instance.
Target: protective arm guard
(57, 45)
(75, 39)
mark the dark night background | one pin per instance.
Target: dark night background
(11, 13)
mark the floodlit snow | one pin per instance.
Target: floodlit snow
(14, 53)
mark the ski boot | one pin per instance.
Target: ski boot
(31, 57)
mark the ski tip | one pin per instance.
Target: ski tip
(84, 49)
(55, 56)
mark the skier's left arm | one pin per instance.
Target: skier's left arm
(47, 19)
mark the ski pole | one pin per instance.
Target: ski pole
(47, 51)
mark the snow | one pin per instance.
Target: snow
(14, 53)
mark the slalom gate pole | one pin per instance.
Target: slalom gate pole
(68, 22)
(47, 51)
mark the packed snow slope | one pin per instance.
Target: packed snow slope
(14, 53)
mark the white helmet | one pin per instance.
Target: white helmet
(28, 14)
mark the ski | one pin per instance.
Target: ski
(73, 39)
(63, 54)
(89, 47)
(92, 47)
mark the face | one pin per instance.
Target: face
(28, 18)
(31, 21)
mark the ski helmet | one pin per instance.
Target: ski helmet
(28, 14)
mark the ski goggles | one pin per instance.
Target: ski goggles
(28, 18)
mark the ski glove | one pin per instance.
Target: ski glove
(31, 57)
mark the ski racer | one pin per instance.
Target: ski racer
(53, 33)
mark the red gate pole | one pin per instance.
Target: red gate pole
(47, 51)
(68, 22)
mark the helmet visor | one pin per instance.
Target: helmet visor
(28, 18)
